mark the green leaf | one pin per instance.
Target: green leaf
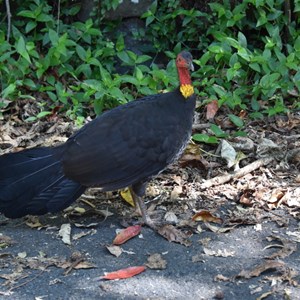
(53, 36)
(123, 56)
(255, 67)
(29, 82)
(204, 138)
(81, 52)
(21, 49)
(240, 133)
(242, 39)
(138, 74)
(27, 14)
(44, 18)
(268, 80)
(8, 90)
(236, 120)
(218, 131)
(29, 26)
(120, 45)
(149, 20)
(30, 119)
(42, 114)
(141, 59)
(219, 90)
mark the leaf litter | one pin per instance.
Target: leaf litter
(267, 181)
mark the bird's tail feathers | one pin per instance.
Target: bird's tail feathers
(32, 182)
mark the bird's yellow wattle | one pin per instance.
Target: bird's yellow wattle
(186, 90)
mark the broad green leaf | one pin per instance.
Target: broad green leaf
(53, 36)
(120, 45)
(141, 59)
(27, 14)
(81, 52)
(242, 39)
(204, 138)
(8, 90)
(218, 131)
(43, 114)
(21, 49)
(236, 120)
(255, 67)
(29, 26)
(139, 74)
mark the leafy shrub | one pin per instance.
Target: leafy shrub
(248, 56)
(250, 53)
(73, 65)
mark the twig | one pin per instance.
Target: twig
(73, 265)
(292, 137)
(288, 14)
(240, 173)
(58, 17)
(8, 19)
(201, 126)
(28, 281)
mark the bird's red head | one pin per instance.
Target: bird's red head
(184, 63)
(185, 60)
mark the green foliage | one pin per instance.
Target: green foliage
(250, 52)
(72, 65)
(248, 56)
(254, 58)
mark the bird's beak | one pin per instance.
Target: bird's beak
(191, 66)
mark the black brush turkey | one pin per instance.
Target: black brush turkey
(123, 147)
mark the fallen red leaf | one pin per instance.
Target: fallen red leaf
(124, 273)
(126, 234)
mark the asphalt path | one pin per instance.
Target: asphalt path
(189, 272)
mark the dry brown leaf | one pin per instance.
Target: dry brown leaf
(247, 197)
(288, 247)
(114, 250)
(126, 234)
(211, 109)
(176, 192)
(86, 225)
(218, 253)
(265, 295)
(174, 235)
(5, 241)
(124, 273)
(221, 277)
(84, 265)
(295, 235)
(258, 270)
(156, 261)
(79, 235)
(198, 258)
(192, 158)
(170, 218)
(65, 233)
(217, 229)
(206, 216)
(69, 265)
(33, 222)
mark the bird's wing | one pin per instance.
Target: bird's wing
(119, 148)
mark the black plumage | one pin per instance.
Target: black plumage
(123, 147)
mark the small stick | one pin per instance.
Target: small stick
(240, 173)
(201, 126)
(8, 19)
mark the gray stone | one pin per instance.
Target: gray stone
(126, 9)
(129, 8)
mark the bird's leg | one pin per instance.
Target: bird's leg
(137, 192)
